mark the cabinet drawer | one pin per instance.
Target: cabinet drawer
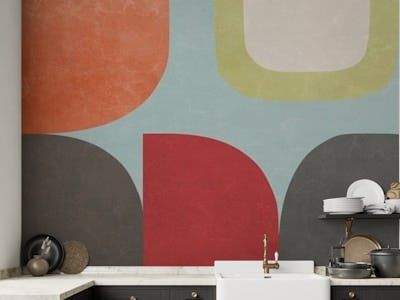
(193, 293)
(365, 293)
(353, 293)
(84, 295)
(388, 293)
(130, 293)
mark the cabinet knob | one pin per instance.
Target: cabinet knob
(195, 295)
(132, 298)
(352, 295)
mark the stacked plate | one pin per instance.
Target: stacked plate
(343, 205)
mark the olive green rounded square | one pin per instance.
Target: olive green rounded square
(371, 73)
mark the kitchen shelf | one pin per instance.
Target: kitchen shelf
(358, 216)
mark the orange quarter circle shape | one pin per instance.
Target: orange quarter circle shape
(88, 63)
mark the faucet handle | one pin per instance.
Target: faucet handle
(276, 256)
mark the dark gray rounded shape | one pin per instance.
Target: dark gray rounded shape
(326, 172)
(76, 191)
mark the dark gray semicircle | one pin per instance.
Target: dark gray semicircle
(326, 172)
(74, 190)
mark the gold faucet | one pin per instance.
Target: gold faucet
(266, 264)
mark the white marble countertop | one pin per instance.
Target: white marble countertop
(52, 287)
(373, 281)
(61, 286)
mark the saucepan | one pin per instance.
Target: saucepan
(386, 262)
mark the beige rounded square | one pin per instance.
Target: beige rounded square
(307, 35)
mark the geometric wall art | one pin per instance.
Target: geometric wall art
(146, 115)
(204, 200)
(242, 53)
(87, 63)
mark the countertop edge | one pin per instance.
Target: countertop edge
(365, 282)
(77, 290)
(156, 282)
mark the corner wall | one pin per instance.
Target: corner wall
(10, 133)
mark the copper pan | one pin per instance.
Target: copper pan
(357, 247)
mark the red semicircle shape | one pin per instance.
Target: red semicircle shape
(204, 200)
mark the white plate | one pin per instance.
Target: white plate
(343, 207)
(370, 190)
(343, 204)
(333, 209)
(343, 212)
(343, 200)
(354, 210)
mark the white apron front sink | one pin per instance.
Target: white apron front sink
(285, 284)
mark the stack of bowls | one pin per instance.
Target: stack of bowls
(343, 205)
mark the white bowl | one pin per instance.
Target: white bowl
(395, 203)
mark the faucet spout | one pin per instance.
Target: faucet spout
(266, 265)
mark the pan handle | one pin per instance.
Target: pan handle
(347, 227)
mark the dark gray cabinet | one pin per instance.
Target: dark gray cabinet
(147, 293)
(84, 295)
(192, 293)
(130, 293)
(365, 293)
(208, 293)
(388, 293)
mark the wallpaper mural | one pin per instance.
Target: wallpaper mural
(176, 127)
